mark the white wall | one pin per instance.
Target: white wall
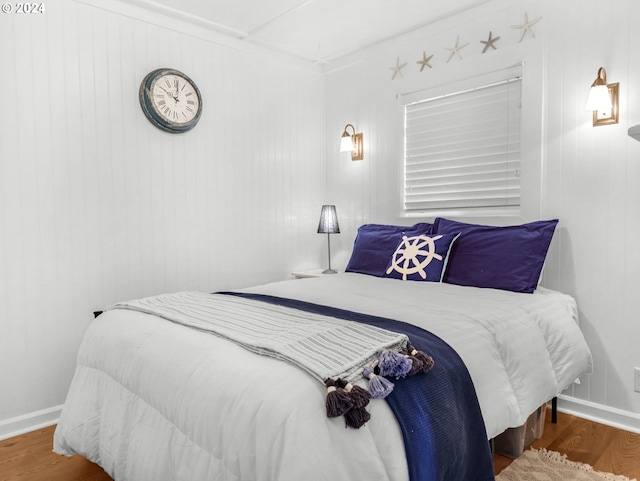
(590, 176)
(97, 205)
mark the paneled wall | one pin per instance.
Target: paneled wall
(98, 205)
(587, 177)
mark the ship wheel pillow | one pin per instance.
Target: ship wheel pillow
(401, 252)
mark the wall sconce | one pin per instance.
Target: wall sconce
(352, 143)
(603, 100)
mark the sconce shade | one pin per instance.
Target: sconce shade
(328, 220)
(346, 143)
(599, 98)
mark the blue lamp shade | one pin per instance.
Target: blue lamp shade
(328, 225)
(328, 220)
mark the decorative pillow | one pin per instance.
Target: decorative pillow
(509, 258)
(376, 243)
(421, 257)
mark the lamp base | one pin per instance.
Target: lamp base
(329, 271)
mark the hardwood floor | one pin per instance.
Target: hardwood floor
(603, 447)
(30, 457)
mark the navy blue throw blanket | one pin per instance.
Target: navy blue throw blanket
(444, 434)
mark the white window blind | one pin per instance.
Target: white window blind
(462, 150)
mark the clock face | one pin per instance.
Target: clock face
(175, 99)
(170, 100)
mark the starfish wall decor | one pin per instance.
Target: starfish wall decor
(397, 69)
(456, 49)
(425, 61)
(526, 26)
(490, 42)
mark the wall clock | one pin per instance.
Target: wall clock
(170, 100)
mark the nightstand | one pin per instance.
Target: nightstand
(311, 273)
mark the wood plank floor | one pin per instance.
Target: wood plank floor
(30, 458)
(603, 447)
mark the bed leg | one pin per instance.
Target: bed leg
(554, 410)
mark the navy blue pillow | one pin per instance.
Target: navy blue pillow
(509, 258)
(421, 258)
(376, 243)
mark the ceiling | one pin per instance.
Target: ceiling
(317, 31)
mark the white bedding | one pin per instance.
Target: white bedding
(152, 400)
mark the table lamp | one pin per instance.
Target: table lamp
(328, 225)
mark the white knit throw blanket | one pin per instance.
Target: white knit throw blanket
(323, 346)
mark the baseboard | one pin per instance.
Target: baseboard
(585, 409)
(29, 422)
(600, 413)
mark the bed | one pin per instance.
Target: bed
(155, 400)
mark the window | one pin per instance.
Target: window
(462, 148)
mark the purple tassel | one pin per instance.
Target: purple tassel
(338, 400)
(393, 363)
(356, 417)
(359, 396)
(379, 387)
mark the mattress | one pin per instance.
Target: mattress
(152, 400)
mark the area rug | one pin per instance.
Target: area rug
(543, 465)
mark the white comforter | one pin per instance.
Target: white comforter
(152, 400)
